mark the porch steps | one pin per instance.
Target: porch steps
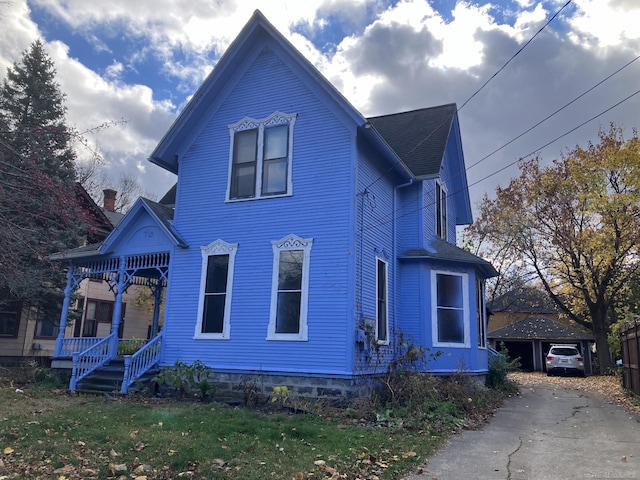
(108, 379)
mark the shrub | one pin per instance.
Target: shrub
(499, 367)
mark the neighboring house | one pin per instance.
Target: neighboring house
(518, 304)
(302, 240)
(27, 333)
(528, 322)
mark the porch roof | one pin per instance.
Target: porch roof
(441, 250)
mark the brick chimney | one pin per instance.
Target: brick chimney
(109, 199)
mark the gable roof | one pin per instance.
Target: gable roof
(162, 215)
(442, 250)
(419, 137)
(527, 299)
(538, 327)
(255, 33)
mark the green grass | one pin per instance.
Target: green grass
(50, 434)
(90, 436)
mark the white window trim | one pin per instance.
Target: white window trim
(386, 284)
(248, 123)
(439, 191)
(434, 309)
(290, 242)
(481, 306)
(218, 247)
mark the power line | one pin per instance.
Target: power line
(394, 218)
(542, 121)
(476, 92)
(552, 114)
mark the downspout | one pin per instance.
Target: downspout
(396, 266)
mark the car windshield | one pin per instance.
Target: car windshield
(568, 351)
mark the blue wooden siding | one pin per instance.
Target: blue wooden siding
(320, 208)
(374, 240)
(143, 235)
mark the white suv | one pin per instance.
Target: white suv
(564, 359)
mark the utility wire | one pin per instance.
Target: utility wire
(476, 92)
(495, 74)
(552, 114)
(540, 122)
(394, 218)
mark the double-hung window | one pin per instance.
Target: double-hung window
(382, 308)
(441, 210)
(290, 289)
(260, 158)
(10, 319)
(214, 307)
(450, 309)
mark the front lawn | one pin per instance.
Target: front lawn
(48, 433)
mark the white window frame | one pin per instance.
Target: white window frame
(248, 123)
(290, 242)
(441, 210)
(465, 309)
(380, 341)
(218, 247)
(481, 313)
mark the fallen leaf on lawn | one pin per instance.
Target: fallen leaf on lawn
(319, 463)
(8, 450)
(133, 433)
(140, 446)
(171, 453)
(409, 454)
(113, 453)
(218, 462)
(226, 447)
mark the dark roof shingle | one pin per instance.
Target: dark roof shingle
(418, 137)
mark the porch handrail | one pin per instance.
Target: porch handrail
(493, 352)
(91, 359)
(76, 344)
(140, 362)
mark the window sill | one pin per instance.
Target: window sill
(211, 336)
(265, 197)
(287, 337)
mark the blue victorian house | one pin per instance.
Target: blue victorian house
(301, 239)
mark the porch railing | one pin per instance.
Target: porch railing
(140, 362)
(90, 359)
(76, 344)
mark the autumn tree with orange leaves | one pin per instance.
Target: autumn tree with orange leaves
(574, 226)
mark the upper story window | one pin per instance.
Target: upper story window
(260, 157)
(216, 281)
(290, 289)
(441, 210)
(450, 309)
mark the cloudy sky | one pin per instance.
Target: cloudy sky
(136, 63)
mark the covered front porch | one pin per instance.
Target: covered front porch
(86, 354)
(136, 253)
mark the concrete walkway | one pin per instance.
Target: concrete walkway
(546, 433)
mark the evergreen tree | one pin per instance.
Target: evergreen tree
(38, 207)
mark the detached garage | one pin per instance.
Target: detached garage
(531, 338)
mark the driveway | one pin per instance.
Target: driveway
(550, 431)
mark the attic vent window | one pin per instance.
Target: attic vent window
(260, 157)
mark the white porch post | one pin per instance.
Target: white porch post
(65, 311)
(117, 310)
